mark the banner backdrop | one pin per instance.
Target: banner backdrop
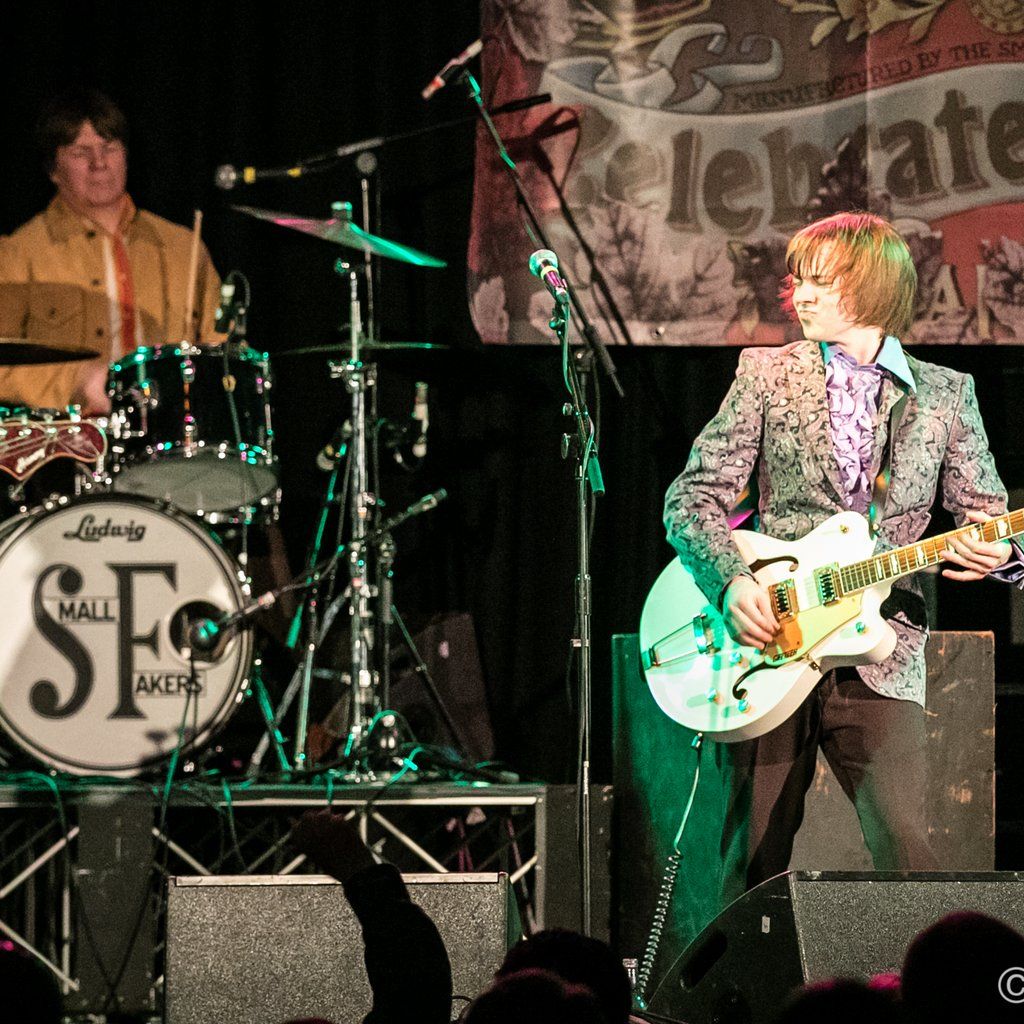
(688, 140)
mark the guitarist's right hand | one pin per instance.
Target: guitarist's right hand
(748, 613)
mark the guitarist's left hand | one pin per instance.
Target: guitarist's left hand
(977, 557)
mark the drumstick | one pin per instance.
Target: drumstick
(189, 333)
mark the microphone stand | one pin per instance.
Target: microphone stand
(588, 328)
(227, 176)
(582, 444)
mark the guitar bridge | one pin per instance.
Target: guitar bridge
(783, 598)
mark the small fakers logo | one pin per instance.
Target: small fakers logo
(89, 530)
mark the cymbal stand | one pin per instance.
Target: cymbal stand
(359, 378)
(366, 165)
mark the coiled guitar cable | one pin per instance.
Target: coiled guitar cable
(664, 900)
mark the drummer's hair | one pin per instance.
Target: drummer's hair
(63, 115)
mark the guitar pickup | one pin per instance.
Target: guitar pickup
(826, 580)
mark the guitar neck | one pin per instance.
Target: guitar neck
(890, 565)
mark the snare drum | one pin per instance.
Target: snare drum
(192, 427)
(97, 601)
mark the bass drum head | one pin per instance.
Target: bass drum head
(96, 600)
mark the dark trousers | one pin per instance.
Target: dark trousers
(875, 745)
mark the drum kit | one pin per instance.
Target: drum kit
(126, 615)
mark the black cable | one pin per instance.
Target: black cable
(232, 830)
(659, 919)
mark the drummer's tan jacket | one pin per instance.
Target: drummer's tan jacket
(58, 285)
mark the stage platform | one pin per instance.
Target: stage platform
(85, 862)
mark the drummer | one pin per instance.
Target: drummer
(92, 269)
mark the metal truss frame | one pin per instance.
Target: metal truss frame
(239, 827)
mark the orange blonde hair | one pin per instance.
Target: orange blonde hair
(874, 265)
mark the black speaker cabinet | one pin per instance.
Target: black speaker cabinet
(806, 926)
(255, 949)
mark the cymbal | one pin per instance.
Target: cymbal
(339, 351)
(26, 352)
(342, 231)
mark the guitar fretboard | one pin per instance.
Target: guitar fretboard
(902, 561)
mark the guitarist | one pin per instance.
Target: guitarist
(812, 421)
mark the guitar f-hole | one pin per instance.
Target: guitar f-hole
(738, 690)
(794, 563)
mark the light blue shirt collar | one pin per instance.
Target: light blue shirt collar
(891, 358)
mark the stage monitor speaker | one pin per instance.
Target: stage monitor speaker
(807, 926)
(256, 949)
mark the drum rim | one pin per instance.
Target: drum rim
(125, 468)
(178, 449)
(21, 524)
(154, 353)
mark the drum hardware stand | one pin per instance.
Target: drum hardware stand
(303, 674)
(233, 313)
(272, 729)
(358, 378)
(362, 593)
(581, 443)
(366, 164)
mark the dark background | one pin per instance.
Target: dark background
(211, 83)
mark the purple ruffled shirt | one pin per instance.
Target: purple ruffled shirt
(853, 392)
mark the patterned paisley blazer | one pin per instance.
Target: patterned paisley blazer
(774, 424)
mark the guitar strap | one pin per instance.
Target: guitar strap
(880, 491)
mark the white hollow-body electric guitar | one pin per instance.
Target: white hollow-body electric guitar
(826, 590)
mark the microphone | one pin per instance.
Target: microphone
(226, 309)
(334, 451)
(205, 634)
(421, 414)
(544, 264)
(227, 175)
(425, 504)
(448, 72)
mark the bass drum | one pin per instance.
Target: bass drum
(96, 600)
